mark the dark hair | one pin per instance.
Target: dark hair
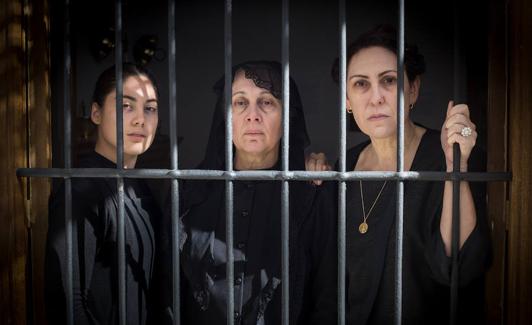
(106, 82)
(385, 36)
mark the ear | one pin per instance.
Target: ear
(347, 105)
(96, 114)
(414, 90)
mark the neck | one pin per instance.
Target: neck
(384, 150)
(251, 161)
(129, 160)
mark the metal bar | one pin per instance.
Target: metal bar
(455, 230)
(455, 236)
(229, 161)
(119, 86)
(400, 166)
(172, 105)
(121, 254)
(262, 175)
(285, 203)
(121, 246)
(342, 161)
(68, 164)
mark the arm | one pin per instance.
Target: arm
(56, 254)
(457, 119)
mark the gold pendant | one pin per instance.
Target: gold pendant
(363, 228)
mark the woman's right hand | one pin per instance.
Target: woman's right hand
(317, 162)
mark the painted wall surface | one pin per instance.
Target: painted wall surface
(257, 35)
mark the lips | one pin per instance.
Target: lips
(377, 117)
(253, 133)
(136, 137)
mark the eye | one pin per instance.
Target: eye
(361, 84)
(151, 109)
(240, 103)
(127, 106)
(267, 103)
(389, 80)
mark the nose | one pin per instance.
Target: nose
(377, 97)
(253, 113)
(138, 119)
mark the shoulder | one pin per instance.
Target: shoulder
(83, 191)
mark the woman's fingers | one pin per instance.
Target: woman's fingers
(317, 162)
(458, 127)
(457, 109)
(463, 141)
(458, 118)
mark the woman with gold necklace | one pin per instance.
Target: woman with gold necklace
(372, 101)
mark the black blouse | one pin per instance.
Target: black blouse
(95, 266)
(426, 268)
(257, 255)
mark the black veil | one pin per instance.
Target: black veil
(266, 75)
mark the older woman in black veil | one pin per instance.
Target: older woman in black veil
(257, 130)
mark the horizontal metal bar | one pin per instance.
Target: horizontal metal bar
(272, 175)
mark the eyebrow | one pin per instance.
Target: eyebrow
(133, 99)
(241, 92)
(366, 77)
(130, 98)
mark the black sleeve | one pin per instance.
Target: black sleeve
(84, 243)
(324, 254)
(475, 254)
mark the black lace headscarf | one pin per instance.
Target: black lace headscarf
(266, 75)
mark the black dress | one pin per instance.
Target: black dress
(95, 266)
(426, 268)
(257, 254)
(257, 233)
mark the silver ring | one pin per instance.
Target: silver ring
(466, 131)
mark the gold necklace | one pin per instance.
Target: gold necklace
(363, 228)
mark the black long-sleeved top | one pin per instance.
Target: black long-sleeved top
(95, 265)
(426, 268)
(257, 254)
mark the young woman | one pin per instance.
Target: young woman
(372, 102)
(94, 213)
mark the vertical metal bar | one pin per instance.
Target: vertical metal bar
(119, 85)
(68, 164)
(121, 246)
(342, 157)
(400, 165)
(455, 235)
(456, 54)
(172, 105)
(455, 228)
(229, 160)
(285, 203)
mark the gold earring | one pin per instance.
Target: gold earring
(349, 111)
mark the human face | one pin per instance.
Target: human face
(140, 114)
(257, 118)
(372, 91)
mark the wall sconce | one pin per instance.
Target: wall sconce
(146, 48)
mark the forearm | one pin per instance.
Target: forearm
(468, 217)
